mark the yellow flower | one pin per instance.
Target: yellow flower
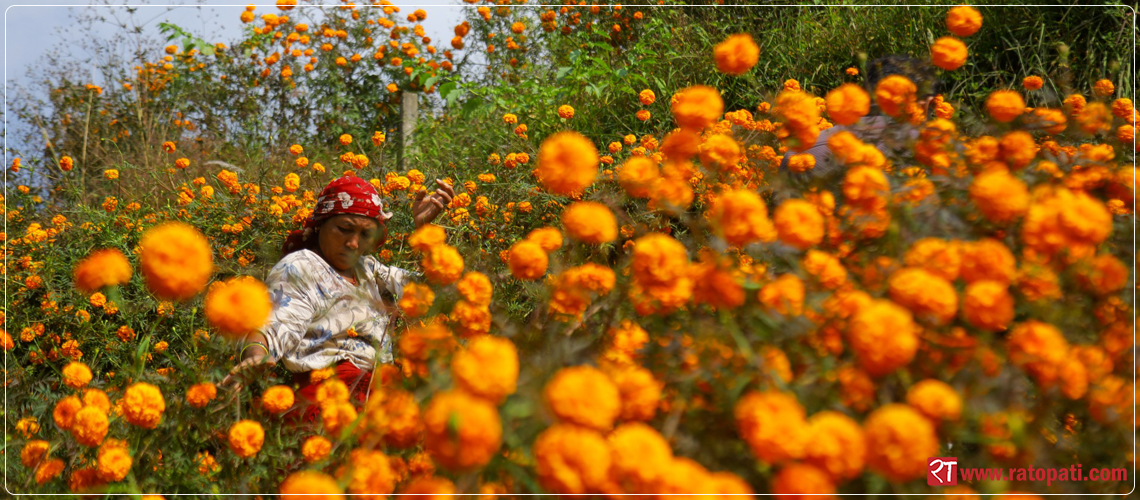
(176, 261)
(143, 405)
(461, 431)
(76, 375)
(567, 163)
(773, 424)
(111, 174)
(246, 438)
(488, 367)
(583, 395)
(106, 267)
(899, 441)
(590, 222)
(237, 306)
(736, 54)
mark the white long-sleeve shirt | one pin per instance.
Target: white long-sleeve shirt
(314, 307)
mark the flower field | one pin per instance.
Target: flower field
(646, 283)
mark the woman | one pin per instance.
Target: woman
(331, 297)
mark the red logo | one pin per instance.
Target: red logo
(940, 471)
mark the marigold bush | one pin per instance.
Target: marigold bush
(662, 272)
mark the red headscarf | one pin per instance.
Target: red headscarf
(346, 195)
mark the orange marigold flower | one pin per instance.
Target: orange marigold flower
(345, 139)
(76, 375)
(847, 103)
(64, 412)
(697, 107)
(246, 438)
(527, 260)
(1103, 87)
(277, 399)
(113, 463)
(461, 431)
(90, 426)
(800, 480)
(1005, 105)
(716, 287)
(1095, 118)
(369, 472)
(801, 163)
(640, 456)
(826, 268)
(315, 449)
(948, 53)
(963, 20)
(488, 367)
(926, 294)
(773, 424)
(987, 259)
(720, 150)
(799, 224)
(572, 460)
(1032, 82)
(836, 445)
(736, 54)
(567, 163)
(106, 267)
(583, 395)
(169, 146)
(566, 111)
(436, 487)
(34, 452)
(307, 484)
(899, 440)
(394, 415)
(549, 238)
(883, 336)
(443, 265)
(237, 306)
(1001, 197)
(427, 237)
(741, 217)
(799, 116)
(639, 391)
(199, 395)
(470, 319)
(1038, 348)
(895, 95)
(646, 97)
(988, 305)
(143, 405)
(935, 399)
(176, 260)
(48, 470)
(637, 175)
(590, 222)
(416, 300)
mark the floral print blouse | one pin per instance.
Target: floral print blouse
(320, 318)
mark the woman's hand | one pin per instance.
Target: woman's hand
(251, 367)
(427, 207)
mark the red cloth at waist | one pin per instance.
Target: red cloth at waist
(357, 380)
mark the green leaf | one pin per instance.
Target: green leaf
(561, 72)
(431, 81)
(446, 89)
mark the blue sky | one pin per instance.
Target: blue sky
(32, 29)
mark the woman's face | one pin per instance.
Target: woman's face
(344, 239)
